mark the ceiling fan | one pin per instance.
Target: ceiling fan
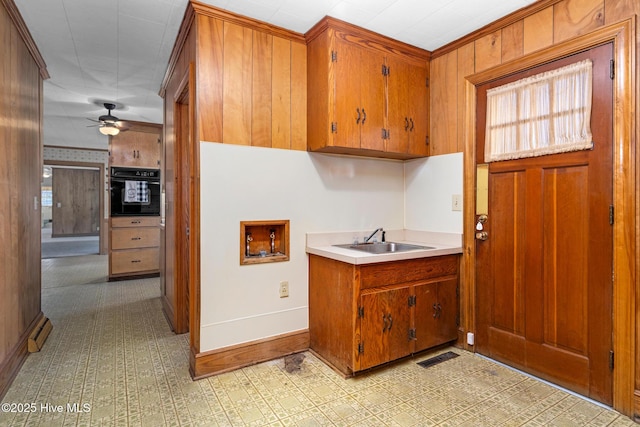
(108, 124)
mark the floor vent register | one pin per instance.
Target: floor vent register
(438, 359)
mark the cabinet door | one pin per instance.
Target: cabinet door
(135, 149)
(347, 73)
(372, 100)
(448, 310)
(435, 314)
(398, 115)
(384, 326)
(359, 97)
(418, 110)
(425, 315)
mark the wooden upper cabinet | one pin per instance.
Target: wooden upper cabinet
(361, 87)
(408, 107)
(138, 147)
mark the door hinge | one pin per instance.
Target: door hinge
(412, 300)
(334, 56)
(610, 214)
(426, 140)
(334, 127)
(360, 312)
(412, 334)
(612, 69)
(360, 347)
(611, 360)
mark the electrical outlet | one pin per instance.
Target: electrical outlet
(284, 289)
(456, 202)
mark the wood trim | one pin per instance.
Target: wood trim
(625, 274)
(368, 38)
(178, 47)
(24, 32)
(225, 15)
(495, 26)
(194, 217)
(16, 357)
(238, 356)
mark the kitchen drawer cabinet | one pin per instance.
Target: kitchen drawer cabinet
(367, 94)
(135, 237)
(135, 261)
(361, 316)
(135, 221)
(134, 246)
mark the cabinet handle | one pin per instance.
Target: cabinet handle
(406, 124)
(439, 310)
(384, 321)
(390, 322)
(411, 129)
(364, 116)
(135, 260)
(358, 118)
(137, 221)
(435, 310)
(136, 238)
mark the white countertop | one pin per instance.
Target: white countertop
(322, 244)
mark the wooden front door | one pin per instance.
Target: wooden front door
(544, 275)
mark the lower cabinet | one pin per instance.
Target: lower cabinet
(134, 246)
(361, 316)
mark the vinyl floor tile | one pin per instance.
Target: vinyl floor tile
(112, 350)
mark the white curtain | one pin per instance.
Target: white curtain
(543, 114)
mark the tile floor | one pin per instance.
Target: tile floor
(111, 352)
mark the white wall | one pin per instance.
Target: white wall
(315, 192)
(429, 185)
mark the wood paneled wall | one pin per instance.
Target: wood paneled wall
(251, 83)
(512, 40)
(21, 75)
(544, 24)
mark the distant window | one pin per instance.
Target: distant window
(47, 196)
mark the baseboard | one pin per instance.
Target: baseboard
(10, 367)
(238, 356)
(167, 310)
(636, 406)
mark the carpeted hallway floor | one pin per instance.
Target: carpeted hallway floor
(112, 355)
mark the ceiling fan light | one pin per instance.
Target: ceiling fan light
(110, 130)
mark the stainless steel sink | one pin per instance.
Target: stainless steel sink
(383, 247)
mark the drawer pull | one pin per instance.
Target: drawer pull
(136, 238)
(137, 221)
(135, 260)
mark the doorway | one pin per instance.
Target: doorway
(72, 207)
(544, 275)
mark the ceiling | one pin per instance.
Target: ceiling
(117, 51)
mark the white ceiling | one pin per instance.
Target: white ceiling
(117, 51)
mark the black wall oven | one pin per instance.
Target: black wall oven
(135, 192)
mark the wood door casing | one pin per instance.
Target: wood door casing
(544, 276)
(76, 202)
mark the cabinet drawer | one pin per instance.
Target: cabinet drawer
(130, 238)
(133, 261)
(411, 270)
(135, 221)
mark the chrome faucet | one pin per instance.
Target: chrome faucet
(373, 234)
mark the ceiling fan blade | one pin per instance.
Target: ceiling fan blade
(92, 120)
